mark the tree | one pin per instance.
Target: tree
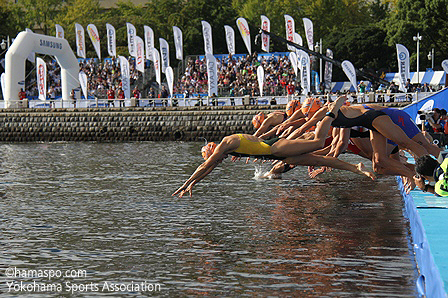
(38, 14)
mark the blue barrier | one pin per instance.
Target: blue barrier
(429, 282)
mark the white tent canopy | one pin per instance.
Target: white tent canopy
(28, 42)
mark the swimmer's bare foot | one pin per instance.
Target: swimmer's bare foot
(310, 170)
(319, 171)
(408, 184)
(361, 167)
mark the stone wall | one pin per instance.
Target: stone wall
(127, 124)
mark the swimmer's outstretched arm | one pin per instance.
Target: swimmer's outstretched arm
(226, 146)
(310, 159)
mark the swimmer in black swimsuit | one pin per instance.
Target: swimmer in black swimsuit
(291, 151)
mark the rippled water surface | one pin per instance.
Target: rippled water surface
(108, 209)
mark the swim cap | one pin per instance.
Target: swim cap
(258, 119)
(292, 106)
(208, 150)
(311, 106)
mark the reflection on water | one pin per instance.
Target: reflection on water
(107, 209)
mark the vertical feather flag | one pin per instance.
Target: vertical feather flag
(125, 77)
(294, 61)
(111, 40)
(41, 72)
(265, 38)
(140, 54)
(156, 61)
(149, 42)
(212, 72)
(305, 72)
(290, 30)
(164, 54)
(328, 70)
(95, 38)
(245, 33)
(445, 65)
(208, 40)
(309, 33)
(80, 41)
(230, 39)
(59, 31)
(178, 43)
(403, 66)
(260, 78)
(350, 72)
(170, 79)
(83, 82)
(131, 38)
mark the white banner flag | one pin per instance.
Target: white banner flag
(445, 65)
(260, 78)
(403, 66)
(80, 41)
(111, 40)
(178, 43)
(125, 77)
(83, 82)
(294, 62)
(265, 38)
(305, 72)
(59, 31)
(156, 61)
(290, 30)
(208, 41)
(140, 59)
(170, 79)
(212, 72)
(131, 39)
(95, 38)
(309, 33)
(149, 42)
(245, 33)
(350, 72)
(328, 70)
(3, 84)
(164, 54)
(230, 39)
(32, 56)
(41, 72)
(298, 39)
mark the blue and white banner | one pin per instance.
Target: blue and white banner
(131, 39)
(149, 42)
(230, 39)
(125, 77)
(208, 40)
(445, 65)
(178, 43)
(305, 72)
(111, 40)
(265, 38)
(403, 66)
(164, 54)
(212, 72)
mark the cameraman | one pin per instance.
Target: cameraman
(427, 168)
(434, 123)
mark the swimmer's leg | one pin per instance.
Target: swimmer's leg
(318, 160)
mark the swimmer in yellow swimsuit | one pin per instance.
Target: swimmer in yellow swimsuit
(295, 152)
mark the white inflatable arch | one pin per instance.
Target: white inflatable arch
(27, 42)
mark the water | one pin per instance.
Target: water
(107, 209)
